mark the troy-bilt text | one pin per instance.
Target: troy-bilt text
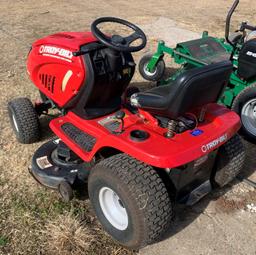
(55, 51)
(214, 143)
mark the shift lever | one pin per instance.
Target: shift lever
(120, 116)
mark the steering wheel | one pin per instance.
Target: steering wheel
(118, 42)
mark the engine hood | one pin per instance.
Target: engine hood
(70, 40)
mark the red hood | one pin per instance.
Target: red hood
(71, 40)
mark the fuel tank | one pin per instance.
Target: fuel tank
(53, 68)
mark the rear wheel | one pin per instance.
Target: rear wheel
(130, 200)
(158, 72)
(229, 161)
(245, 106)
(24, 120)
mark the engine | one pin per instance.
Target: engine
(62, 75)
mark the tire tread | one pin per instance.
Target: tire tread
(26, 118)
(234, 153)
(143, 179)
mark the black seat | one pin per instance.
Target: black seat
(247, 60)
(194, 88)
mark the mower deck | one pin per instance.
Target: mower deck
(50, 169)
(220, 124)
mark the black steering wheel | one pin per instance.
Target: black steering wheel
(118, 42)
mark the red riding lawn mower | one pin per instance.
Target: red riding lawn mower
(139, 153)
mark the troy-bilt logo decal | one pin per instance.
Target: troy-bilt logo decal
(251, 54)
(56, 52)
(211, 145)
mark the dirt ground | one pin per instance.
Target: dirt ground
(33, 220)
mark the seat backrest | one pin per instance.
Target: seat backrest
(247, 60)
(191, 89)
(198, 87)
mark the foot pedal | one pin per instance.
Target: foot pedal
(82, 139)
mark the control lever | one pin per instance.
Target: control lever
(120, 116)
(245, 25)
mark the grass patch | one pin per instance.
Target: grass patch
(36, 221)
(3, 241)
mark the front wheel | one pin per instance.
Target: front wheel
(245, 106)
(130, 200)
(24, 120)
(158, 72)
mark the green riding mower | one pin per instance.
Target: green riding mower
(239, 47)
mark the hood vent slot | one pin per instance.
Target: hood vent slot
(47, 81)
